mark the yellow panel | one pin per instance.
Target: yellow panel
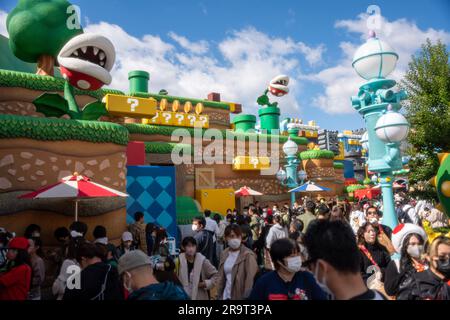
(156, 119)
(179, 119)
(204, 119)
(167, 118)
(216, 200)
(348, 132)
(127, 106)
(190, 120)
(251, 163)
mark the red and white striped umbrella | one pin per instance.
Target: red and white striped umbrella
(74, 186)
(247, 191)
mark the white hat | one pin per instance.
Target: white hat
(127, 236)
(402, 230)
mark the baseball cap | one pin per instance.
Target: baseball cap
(127, 236)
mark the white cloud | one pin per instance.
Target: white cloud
(340, 81)
(3, 16)
(247, 59)
(199, 47)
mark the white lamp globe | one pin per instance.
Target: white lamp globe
(302, 175)
(374, 178)
(374, 59)
(290, 148)
(365, 141)
(392, 127)
(281, 175)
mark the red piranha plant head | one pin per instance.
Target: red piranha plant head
(86, 60)
(278, 86)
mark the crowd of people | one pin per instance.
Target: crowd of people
(312, 250)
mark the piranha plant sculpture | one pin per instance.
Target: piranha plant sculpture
(278, 87)
(85, 62)
(442, 183)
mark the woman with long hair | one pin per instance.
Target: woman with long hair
(433, 283)
(409, 240)
(15, 277)
(373, 256)
(38, 266)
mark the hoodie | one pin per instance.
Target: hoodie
(159, 291)
(276, 232)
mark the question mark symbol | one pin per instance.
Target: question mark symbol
(254, 161)
(374, 20)
(204, 120)
(191, 118)
(179, 117)
(166, 116)
(134, 103)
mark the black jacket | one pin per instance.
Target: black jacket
(426, 286)
(99, 281)
(379, 254)
(205, 244)
(396, 281)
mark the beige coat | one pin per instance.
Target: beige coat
(242, 276)
(202, 269)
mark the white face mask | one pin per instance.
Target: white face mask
(322, 284)
(190, 252)
(194, 227)
(415, 251)
(373, 220)
(294, 264)
(234, 243)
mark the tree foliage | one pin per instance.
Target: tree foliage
(427, 82)
(40, 28)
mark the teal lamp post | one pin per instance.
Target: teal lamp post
(290, 177)
(379, 104)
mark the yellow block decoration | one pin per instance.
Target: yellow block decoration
(251, 163)
(156, 119)
(167, 118)
(179, 119)
(128, 106)
(216, 200)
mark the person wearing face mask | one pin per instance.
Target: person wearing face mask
(136, 271)
(196, 273)
(373, 215)
(237, 268)
(408, 240)
(287, 281)
(204, 238)
(433, 283)
(372, 253)
(334, 259)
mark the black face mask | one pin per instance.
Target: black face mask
(443, 266)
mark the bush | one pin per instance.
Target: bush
(316, 154)
(354, 187)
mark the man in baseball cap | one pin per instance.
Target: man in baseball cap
(136, 270)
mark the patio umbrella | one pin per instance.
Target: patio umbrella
(74, 186)
(309, 187)
(247, 191)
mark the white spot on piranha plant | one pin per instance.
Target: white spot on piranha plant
(278, 86)
(86, 60)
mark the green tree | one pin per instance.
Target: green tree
(38, 29)
(427, 82)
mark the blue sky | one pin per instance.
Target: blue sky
(236, 47)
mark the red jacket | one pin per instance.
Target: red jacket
(15, 284)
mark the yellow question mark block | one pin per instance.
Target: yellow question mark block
(167, 118)
(179, 119)
(156, 119)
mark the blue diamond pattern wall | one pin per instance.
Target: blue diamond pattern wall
(151, 190)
